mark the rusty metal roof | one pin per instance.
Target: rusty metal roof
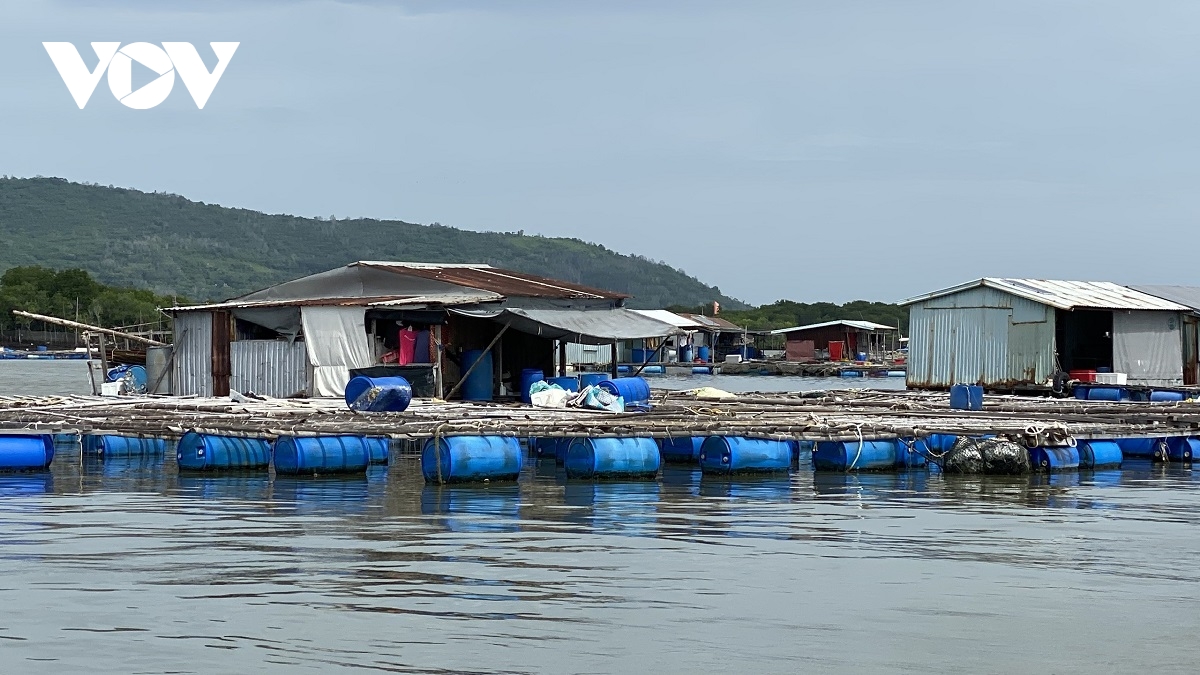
(713, 323)
(502, 281)
(1066, 295)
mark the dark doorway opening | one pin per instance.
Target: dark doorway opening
(1084, 339)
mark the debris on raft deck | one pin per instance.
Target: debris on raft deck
(855, 415)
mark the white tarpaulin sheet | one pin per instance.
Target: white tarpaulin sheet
(1147, 347)
(336, 338)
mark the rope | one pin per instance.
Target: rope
(858, 432)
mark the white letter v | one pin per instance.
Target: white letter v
(74, 73)
(199, 82)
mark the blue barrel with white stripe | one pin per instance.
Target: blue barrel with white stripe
(734, 454)
(210, 452)
(300, 455)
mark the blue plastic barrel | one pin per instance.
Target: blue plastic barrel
(680, 449)
(897, 373)
(641, 356)
(478, 386)
(463, 459)
(1167, 396)
(632, 389)
(209, 452)
(966, 397)
(1153, 448)
(1080, 393)
(1182, 449)
(1054, 459)
(704, 353)
(528, 377)
(568, 383)
(622, 369)
(378, 394)
(296, 455)
(551, 448)
(612, 458)
(702, 370)
(654, 370)
(850, 373)
(734, 454)
(1099, 454)
(26, 452)
(802, 451)
(591, 379)
(935, 444)
(105, 445)
(684, 353)
(1104, 394)
(380, 448)
(859, 456)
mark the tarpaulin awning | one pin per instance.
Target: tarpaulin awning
(583, 326)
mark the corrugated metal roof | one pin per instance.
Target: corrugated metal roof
(488, 278)
(1065, 295)
(712, 322)
(1184, 295)
(861, 325)
(669, 317)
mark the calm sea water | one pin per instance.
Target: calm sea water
(126, 567)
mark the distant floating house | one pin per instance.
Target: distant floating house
(309, 335)
(840, 339)
(1014, 334)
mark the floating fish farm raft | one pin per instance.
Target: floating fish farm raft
(857, 430)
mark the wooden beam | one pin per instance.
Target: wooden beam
(470, 370)
(88, 327)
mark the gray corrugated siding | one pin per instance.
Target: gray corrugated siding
(980, 336)
(192, 373)
(577, 353)
(269, 367)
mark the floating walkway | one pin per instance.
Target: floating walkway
(839, 430)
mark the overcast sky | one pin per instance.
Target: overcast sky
(812, 150)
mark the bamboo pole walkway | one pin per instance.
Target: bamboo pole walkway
(815, 416)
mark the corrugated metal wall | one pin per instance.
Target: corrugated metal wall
(577, 353)
(980, 336)
(192, 373)
(269, 367)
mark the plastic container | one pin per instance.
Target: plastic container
(966, 397)
(528, 377)
(591, 379)
(612, 458)
(1082, 375)
(641, 356)
(704, 353)
(1099, 454)
(32, 452)
(654, 370)
(684, 353)
(551, 448)
(632, 389)
(897, 373)
(380, 448)
(1054, 459)
(296, 455)
(568, 383)
(835, 350)
(685, 449)
(1103, 394)
(105, 445)
(861, 356)
(1152, 448)
(1182, 449)
(1111, 378)
(855, 456)
(1167, 396)
(209, 452)
(850, 373)
(478, 386)
(702, 370)
(466, 459)
(378, 394)
(734, 454)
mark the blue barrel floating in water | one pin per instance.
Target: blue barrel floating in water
(568, 383)
(1104, 394)
(478, 386)
(1054, 459)
(802, 451)
(26, 452)
(704, 353)
(591, 379)
(528, 377)
(106, 445)
(897, 373)
(966, 397)
(1099, 454)
(702, 370)
(734, 454)
(632, 389)
(380, 448)
(654, 370)
(296, 455)
(1167, 396)
(461, 459)
(684, 353)
(935, 444)
(612, 458)
(551, 448)
(680, 449)
(209, 452)
(1182, 449)
(1153, 448)
(621, 369)
(859, 456)
(850, 373)
(378, 394)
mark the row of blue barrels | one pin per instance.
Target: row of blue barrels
(1109, 393)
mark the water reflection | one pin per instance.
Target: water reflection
(322, 495)
(625, 507)
(235, 487)
(473, 508)
(26, 484)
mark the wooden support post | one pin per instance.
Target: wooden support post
(615, 359)
(562, 358)
(437, 361)
(470, 370)
(103, 358)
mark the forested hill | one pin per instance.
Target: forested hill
(169, 244)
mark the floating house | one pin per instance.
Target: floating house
(838, 340)
(1024, 334)
(429, 322)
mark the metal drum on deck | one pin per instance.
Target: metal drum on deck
(23, 452)
(457, 459)
(107, 445)
(296, 455)
(734, 454)
(612, 457)
(209, 452)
